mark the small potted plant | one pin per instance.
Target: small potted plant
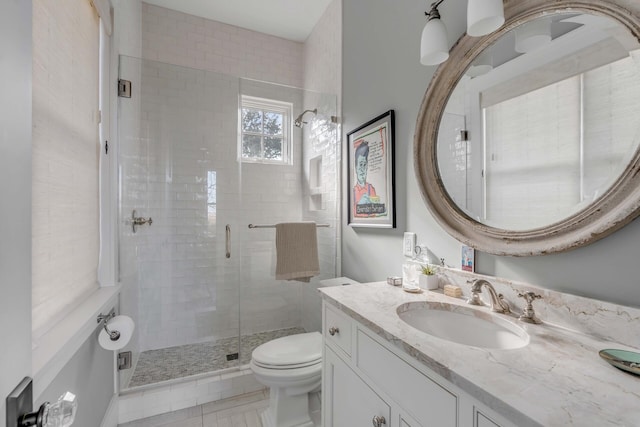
(428, 278)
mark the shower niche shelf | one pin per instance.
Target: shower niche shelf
(316, 194)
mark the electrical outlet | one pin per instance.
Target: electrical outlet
(409, 244)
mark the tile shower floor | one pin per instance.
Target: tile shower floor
(182, 361)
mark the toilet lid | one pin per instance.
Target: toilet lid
(291, 351)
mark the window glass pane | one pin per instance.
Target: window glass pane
(273, 148)
(272, 123)
(212, 197)
(251, 120)
(251, 146)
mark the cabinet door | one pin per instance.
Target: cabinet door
(419, 396)
(349, 402)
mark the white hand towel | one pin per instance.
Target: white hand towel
(297, 251)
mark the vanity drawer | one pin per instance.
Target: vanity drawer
(337, 328)
(414, 392)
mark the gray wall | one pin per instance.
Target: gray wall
(381, 71)
(15, 195)
(89, 375)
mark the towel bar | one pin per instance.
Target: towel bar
(273, 226)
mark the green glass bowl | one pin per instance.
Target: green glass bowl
(626, 360)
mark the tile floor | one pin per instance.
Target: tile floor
(182, 361)
(240, 411)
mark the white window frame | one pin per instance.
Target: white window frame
(268, 105)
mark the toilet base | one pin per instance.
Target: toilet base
(286, 411)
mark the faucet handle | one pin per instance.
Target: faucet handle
(529, 296)
(528, 314)
(474, 299)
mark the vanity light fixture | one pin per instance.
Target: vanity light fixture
(483, 17)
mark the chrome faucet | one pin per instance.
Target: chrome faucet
(498, 304)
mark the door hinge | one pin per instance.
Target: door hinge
(124, 360)
(124, 88)
(106, 147)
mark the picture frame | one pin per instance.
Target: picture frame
(371, 173)
(468, 259)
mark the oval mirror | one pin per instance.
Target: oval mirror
(527, 139)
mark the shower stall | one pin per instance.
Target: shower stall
(199, 282)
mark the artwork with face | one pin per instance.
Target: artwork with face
(364, 193)
(369, 173)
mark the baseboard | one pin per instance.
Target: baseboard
(111, 416)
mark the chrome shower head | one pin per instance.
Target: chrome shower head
(298, 121)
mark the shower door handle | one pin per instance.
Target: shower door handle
(228, 241)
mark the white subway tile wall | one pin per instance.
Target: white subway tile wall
(177, 38)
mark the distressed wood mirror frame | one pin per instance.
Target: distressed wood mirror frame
(616, 208)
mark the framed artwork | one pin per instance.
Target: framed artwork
(468, 262)
(371, 175)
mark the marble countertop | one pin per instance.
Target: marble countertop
(558, 379)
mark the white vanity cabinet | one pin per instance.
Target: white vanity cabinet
(352, 401)
(368, 382)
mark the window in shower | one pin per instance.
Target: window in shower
(265, 131)
(211, 200)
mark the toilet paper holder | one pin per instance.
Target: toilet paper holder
(103, 319)
(115, 331)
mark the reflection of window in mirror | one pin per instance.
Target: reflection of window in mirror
(552, 149)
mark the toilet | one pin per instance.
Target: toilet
(291, 367)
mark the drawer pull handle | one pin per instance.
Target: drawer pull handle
(333, 330)
(378, 421)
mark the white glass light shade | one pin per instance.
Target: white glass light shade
(484, 16)
(482, 65)
(478, 70)
(532, 36)
(434, 47)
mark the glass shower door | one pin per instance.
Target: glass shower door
(177, 166)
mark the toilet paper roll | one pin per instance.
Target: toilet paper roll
(122, 324)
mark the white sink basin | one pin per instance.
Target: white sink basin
(463, 325)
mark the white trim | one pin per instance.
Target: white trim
(270, 105)
(59, 344)
(111, 416)
(107, 275)
(103, 7)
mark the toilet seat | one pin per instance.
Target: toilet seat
(282, 367)
(290, 352)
